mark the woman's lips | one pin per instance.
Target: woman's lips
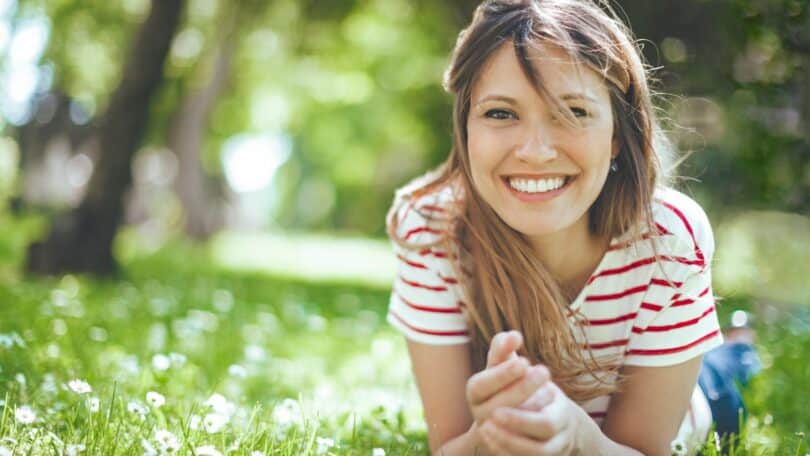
(538, 196)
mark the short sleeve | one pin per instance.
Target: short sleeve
(425, 303)
(680, 320)
(685, 327)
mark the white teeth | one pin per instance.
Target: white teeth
(536, 185)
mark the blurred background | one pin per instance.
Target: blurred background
(268, 136)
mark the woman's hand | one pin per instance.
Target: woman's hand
(548, 423)
(507, 381)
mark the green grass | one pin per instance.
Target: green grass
(304, 368)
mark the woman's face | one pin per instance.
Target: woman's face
(538, 171)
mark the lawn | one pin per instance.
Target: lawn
(188, 353)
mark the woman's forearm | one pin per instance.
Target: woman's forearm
(464, 445)
(594, 441)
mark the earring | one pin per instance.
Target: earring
(614, 166)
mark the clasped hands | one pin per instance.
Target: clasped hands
(517, 408)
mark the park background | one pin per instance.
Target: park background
(192, 201)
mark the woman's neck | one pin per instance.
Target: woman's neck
(571, 255)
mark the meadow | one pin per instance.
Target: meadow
(180, 354)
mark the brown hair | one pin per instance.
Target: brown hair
(508, 287)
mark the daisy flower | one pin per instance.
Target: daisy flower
(79, 386)
(207, 450)
(214, 422)
(93, 404)
(155, 399)
(25, 415)
(167, 441)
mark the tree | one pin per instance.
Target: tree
(81, 240)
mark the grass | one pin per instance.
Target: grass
(248, 362)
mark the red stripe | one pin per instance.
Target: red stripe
(665, 283)
(612, 343)
(651, 306)
(664, 328)
(421, 285)
(643, 262)
(597, 414)
(428, 331)
(431, 208)
(411, 263)
(623, 269)
(680, 215)
(422, 229)
(427, 308)
(435, 253)
(668, 351)
(661, 229)
(686, 302)
(449, 280)
(608, 321)
(621, 294)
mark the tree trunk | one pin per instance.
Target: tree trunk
(186, 136)
(81, 240)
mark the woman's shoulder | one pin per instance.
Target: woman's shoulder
(418, 218)
(683, 222)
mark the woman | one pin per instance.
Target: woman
(555, 294)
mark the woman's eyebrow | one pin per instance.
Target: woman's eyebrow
(578, 96)
(503, 98)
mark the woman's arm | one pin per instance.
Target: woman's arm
(642, 419)
(441, 373)
(648, 411)
(456, 402)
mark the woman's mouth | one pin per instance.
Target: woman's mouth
(537, 189)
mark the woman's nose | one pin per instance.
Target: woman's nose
(536, 146)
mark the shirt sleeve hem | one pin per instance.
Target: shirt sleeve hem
(427, 339)
(675, 358)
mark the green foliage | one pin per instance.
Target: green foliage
(299, 365)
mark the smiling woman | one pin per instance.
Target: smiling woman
(554, 291)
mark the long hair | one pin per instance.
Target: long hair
(505, 285)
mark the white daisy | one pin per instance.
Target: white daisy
(4, 451)
(148, 449)
(214, 422)
(207, 450)
(324, 444)
(194, 422)
(161, 362)
(220, 404)
(74, 449)
(136, 408)
(25, 415)
(678, 447)
(93, 404)
(79, 386)
(167, 441)
(155, 399)
(377, 452)
(238, 371)
(257, 453)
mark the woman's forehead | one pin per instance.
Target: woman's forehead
(560, 74)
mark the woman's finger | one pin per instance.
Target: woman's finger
(488, 382)
(504, 441)
(540, 399)
(503, 347)
(514, 394)
(533, 424)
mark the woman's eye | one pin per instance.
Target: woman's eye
(579, 112)
(499, 114)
